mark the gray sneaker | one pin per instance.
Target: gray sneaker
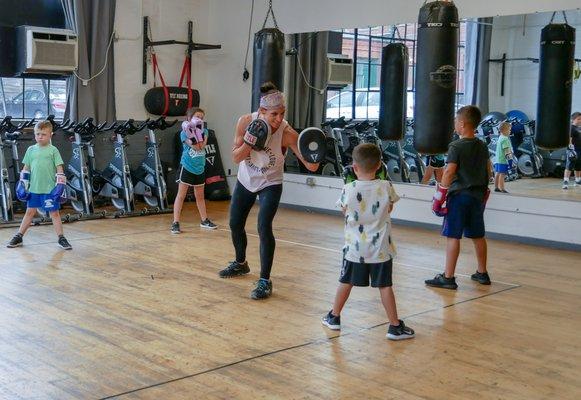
(207, 224)
(175, 228)
(64, 243)
(262, 290)
(16, 241)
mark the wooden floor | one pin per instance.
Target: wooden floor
(548, 188)
(136, 313)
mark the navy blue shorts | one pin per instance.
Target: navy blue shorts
(501, 168)
(465, 216)
(38, 201)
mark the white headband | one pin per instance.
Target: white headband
(272, 101)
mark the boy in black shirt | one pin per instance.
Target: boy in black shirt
(461, 198)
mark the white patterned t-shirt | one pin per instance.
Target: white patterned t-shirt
(367, 222)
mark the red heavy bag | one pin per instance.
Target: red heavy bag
(172, 101)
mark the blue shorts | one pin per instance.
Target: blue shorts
(37, 201)
(465, 216)
(501, 168)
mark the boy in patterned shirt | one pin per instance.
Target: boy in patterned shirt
(368, 251)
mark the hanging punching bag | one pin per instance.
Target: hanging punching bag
(393, 92)
(436, 61)
(556, 60)
(268, 61)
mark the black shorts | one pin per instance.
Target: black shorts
(576, 165)
(357, 274)
(188, 178)
(436, 162)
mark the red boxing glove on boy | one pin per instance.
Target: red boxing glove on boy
(439, 203)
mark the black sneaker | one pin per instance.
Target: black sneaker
(234, 269)
(175, 228)
(16, 241)
(441, 281)
(64, 243)
(262, 290)
(400, 332)
(481, 278)
(207, 224)
(332, 322)
(497, 190)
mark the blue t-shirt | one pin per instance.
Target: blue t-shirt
(194, 161)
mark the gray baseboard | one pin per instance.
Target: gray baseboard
(434, 227)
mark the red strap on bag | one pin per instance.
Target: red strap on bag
(156, 70)
(186, 73)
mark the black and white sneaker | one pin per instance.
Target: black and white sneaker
(565, 185)
(235, 269)
(64, 243)
(332, 322)
(207, 224)
(16, 241)
(262, 290)
(175, 228)
(440, 281)
(400, 332)
(481, 277)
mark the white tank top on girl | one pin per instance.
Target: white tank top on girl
(264, 168)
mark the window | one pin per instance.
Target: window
(364, 46)
(32, 98)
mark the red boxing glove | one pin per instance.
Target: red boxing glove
(439, 202)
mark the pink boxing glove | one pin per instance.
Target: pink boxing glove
(439, 202)
(194, 129)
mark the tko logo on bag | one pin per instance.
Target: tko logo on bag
(445, 76)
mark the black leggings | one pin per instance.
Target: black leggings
(242, 202)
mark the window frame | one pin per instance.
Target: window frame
(390, 33)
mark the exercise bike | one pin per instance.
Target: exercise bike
(115, 180)
(148, 179)
(334, 164)
(80, 169)
(530, 161)
(5, 190)
(12, 136)
(413, 159)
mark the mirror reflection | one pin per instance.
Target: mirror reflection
(333, 81)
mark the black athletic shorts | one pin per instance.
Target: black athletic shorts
(574, 166)
(188, 178)
(358, 274)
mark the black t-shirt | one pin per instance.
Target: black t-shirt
(471, 157)
(576, 136)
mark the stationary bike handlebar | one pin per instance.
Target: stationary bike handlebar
(128, 127)
(7, 126)
(160, 124)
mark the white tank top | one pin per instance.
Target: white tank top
(264, 168)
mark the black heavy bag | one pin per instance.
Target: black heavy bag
(436, 62)
(556, 61)
(393, 92)
(170, 100)
(216, 185)
(268, 61)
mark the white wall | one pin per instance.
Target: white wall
(521, 81)
(168, 20)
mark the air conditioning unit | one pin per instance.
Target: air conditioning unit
(340, 72)
(46, 50)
